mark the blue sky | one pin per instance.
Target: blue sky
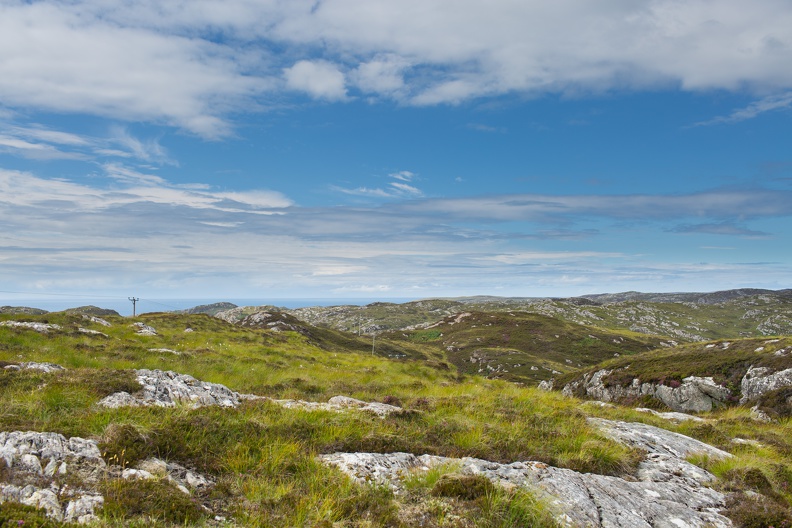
(395, 149)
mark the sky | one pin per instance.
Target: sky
(393, 148)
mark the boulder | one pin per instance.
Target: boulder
(759, 380)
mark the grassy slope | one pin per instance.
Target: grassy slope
(525, 347)
(263, 456)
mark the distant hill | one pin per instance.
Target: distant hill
(92, 310)
(210, 309)
(682, 317)
(524, 347)
(698, 298)
(21, 310)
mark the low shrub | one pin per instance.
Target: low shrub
(750, 510)
(465, 487)
(15, 515)
(157, 500)
(124, 445)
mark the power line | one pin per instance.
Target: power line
(64, 294)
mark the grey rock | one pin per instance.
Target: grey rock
(88, 331)
(38, 327)
(80, 507)
(342, 403)
(656, 440)
(165, 351)
(54, 453)
(759, 380)
(694, 394)
(43, 367)
(34, 458)
(144, 329)
(579, 499)
(168, 389)
(672, 416)
(136, 474)
(120, 399)
(97, 320)
(545, 385)
(81, 510)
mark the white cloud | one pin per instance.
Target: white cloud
(68, 58)
(320, 79)
(194, 64)
(382, 75)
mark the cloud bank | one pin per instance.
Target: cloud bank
(147, 233)
(195, 64)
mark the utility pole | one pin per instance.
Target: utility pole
(134, 302)
(373, 339)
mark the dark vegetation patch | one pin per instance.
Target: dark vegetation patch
(751, 510)
(152, 500)
(15, 515)
(465, 487)
(777, 403)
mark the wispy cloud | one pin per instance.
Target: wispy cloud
(400, 188)
(479, 127)
(35, 141)
(721, 228)
(771, 103)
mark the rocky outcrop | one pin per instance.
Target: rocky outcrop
(694, 394)
(97, 320)
(672, 416)
(144, 329)
(41, 469)
(169, 389)
(35, 465)
(30, 365)
(38, 327)
(667, 491)
(760, 380)
(655, 440)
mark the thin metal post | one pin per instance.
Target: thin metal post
(134, 302)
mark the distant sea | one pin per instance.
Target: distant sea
(124, 306)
